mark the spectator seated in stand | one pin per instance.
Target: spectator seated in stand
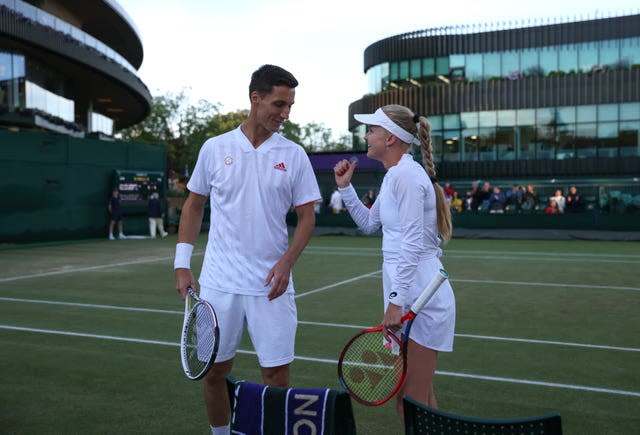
(553, 207)
(456, 203)
(497, 201)
(529, 198)
(560, 200)
(481, 197)
(514, 198)
(574, 202)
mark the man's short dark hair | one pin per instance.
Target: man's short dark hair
(267, 76)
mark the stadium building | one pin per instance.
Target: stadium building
(550, 102)
(70, 66)
(544, 100)
(68, 82)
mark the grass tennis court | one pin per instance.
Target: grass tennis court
(89, 333)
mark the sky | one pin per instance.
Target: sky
(209, 48)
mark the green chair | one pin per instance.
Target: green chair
(420, 419)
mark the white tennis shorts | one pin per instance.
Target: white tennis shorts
(434, 326)
(271, 325)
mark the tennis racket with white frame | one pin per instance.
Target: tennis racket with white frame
(372, 367)
(200, 336)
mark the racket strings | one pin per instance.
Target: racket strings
(372, 367)
(200, 339)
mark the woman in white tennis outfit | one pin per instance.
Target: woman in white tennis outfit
(414, 216)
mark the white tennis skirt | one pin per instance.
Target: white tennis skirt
(434, 326)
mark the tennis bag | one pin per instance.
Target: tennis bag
(261, 410)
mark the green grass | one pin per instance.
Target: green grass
(541, 326)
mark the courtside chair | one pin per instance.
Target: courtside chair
(420, 419)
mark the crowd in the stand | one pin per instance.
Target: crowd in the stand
(482, 196)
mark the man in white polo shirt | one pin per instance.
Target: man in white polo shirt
(252, 176)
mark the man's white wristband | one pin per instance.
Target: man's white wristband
(183, 256)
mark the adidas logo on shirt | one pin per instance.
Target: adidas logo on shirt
(280, 166)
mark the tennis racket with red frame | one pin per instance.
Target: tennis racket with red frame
(372, 367)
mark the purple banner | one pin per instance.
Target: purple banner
(326, 162)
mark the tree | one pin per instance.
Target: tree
(184, 127)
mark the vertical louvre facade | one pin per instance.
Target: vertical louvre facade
(517, 102)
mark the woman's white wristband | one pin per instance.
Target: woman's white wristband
(183, 256)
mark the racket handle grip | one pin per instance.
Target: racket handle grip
(191, 292)
(429, 291)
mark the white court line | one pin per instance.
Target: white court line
(327, 287)
(335, 362)
(91, 268)
(331, 325)
(351, 250)
(493, 255)
(545, 284)
(365, 252)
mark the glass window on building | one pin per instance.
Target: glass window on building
(630, 51)
(436, 122)
(469, 119)
(473, 67)
(525, 146)
(42, 99)
(101, 123)
(607, 112)
(629, 139)
(403, 72)
(545, 116)
(428, 67)
(506, 118)
(630, 112)
(608, 139)
(566, 141)
(587, 113)
(491, 65)
(456, 61)
(587, 56)
(526, 117)
(506, 143)
(377, 78)
(442, 66)
(6, 74)
(436, 143)
(12, 72)
(487, 144)
(511, 64)
(456, 66)
(529, 63)
(6, 69)
(471, 139)
(451, 146)
(568, 59)
(566, 115)
(609, 53)
(487, 119)
(452, 121)
(415, 70)
(393, 71)
(548, 60)
(545, 133)
(585, 140)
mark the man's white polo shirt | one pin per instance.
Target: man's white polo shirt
(250, 191)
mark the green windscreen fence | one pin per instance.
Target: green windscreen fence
(56, 187)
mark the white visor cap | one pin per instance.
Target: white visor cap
(381, 119)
